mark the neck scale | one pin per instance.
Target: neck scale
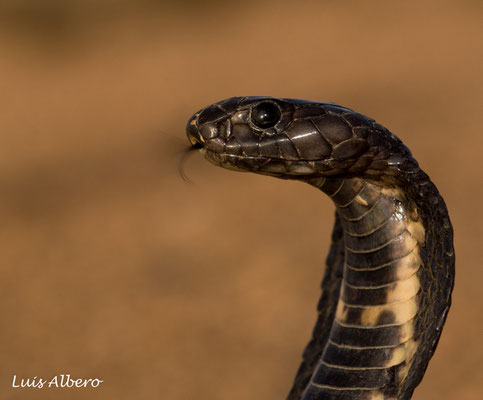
(371, 344)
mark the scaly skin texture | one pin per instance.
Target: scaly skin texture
(390, 270)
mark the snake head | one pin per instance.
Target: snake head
(292, 139)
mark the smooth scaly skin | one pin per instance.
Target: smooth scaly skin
(390, 269)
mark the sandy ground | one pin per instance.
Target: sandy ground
(112, 267)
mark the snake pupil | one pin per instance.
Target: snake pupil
(266, 115)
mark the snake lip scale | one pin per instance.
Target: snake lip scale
(389, 273)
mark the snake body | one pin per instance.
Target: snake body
(390, 270)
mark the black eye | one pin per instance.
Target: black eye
(266, 115)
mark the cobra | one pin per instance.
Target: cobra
(390, 270)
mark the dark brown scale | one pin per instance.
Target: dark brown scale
(354, 358)
(379, 237)
(217, 144)
(379, 164)
(315, 393)
(364, 200)
(374, 277)
(233, 147)
(337, 109)
(287, 148)
(350, 378)
(209, 131)
(356, 211)
(281, 165)
(349, 190)
(361, 164)
(341, 164)
(365, 297)
(357, 120)
(230, 105)
(340, 377)
(352, 315)
(363, 337)
(387, 317)
(368, 196)
(308, 111)
(211, 114)
(332, 186)
(351, 148)
(269, 147)
(310, 144)
(331, 128)
(243, 134)
(391, 251)
(368, 221)
(328, 168)
(246, 162)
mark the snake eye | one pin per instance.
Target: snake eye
(266, 115)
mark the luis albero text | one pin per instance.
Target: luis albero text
(58, 381)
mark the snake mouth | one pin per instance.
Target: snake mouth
(269, 165)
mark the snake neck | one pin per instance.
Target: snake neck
(373, 341)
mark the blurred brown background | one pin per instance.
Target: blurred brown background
(112, 267)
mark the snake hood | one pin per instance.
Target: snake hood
(291, 138)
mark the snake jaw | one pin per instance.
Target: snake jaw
(277, 167)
